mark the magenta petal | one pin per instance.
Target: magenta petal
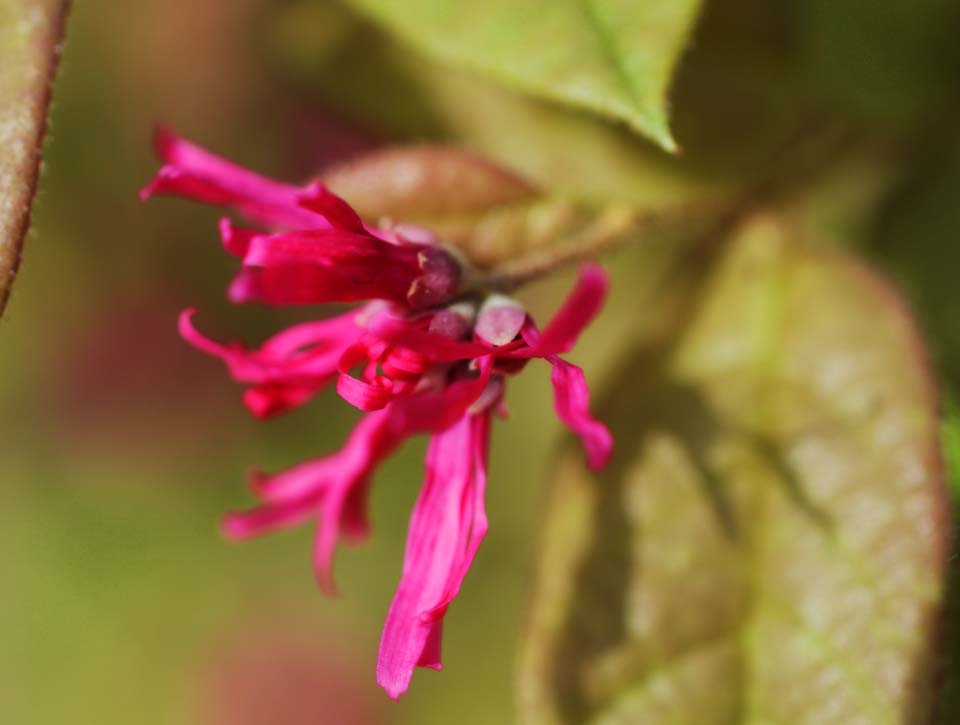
(334, 332)
(299, 482)
(313, 267)
(446, 527)
(319, 199)
(243, 364)
(578, 310)
(331, 488)
(272, 399)
(366, 395)
(363, 395)
(192, 172)
(439, 348)
(572, 403)
(430, 657)
(236, 240)
(290, 368)
(243, 525)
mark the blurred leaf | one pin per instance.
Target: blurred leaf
(948, 704)
(770, 541)
(408, 181)
(486, 210)
(913, 237)
(612, 56)
(569, 153)
(740, 109)
(30, 32)
(886, 60)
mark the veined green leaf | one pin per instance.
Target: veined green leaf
(614, 57)
(30, 32)
(769, 543)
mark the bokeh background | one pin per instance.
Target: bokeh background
(120, 603)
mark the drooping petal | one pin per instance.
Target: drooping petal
(289, 368)
(578, 310)
(572, 403)
(195, 173)
(273, 399)
(475, 505)
(447, 526)
(329, 487)
(245, 524)
(333, 488)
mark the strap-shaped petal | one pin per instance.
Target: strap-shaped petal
(446, 528)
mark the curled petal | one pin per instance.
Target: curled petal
(243, 364)
(302, 352)
(373, 393)
(290, 368)
(319, 199)
(331, 332)
(578, 310)
(192, 172)
(436, 347)
(332, 489)
(236, 240)
(401, 363)
(364, 395)
(572, 403)
(446, 528)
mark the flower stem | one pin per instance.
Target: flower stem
(613, 227)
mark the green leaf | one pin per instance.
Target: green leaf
(30, 32)
(614, 57)
(769, 544)
(740, 108)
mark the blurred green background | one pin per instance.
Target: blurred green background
(120, 602)
(122, 447)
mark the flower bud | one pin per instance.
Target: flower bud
(500, 320)
(439, 281)
(455, 321)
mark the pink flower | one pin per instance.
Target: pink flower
(414, 359)
(324, 252)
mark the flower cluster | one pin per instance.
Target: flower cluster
(425, 353)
